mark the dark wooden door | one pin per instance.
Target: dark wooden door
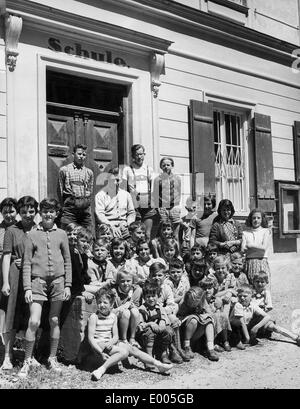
(101, 135)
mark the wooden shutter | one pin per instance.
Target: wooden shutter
(202, 146)
(264, 173)
(297, 150)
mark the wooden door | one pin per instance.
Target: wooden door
(100, 137)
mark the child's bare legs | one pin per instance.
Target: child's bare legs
(30, 336)
(54, 314)
(117, 354)
(280, 330)
(148, 359)
(133, 323)
(9, 340)
(190, 330)
(123, 325)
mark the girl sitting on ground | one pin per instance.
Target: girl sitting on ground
(127, 300)
(141, 263)
(220, 319)
(237, 269)
(261, 294)
(119, 257)
(196, 321)
(104, 340)
(170, 250)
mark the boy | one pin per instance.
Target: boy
(247, 319)
(177, 280)
(137, 231)
(153, 329)
(46, 276)
(237, 267)
(97, 267)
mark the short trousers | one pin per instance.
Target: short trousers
(44, 290)
(143, 213)
(173, 214)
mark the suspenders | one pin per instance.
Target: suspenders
(148, 183)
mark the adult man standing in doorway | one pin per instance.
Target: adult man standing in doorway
(76, 184)
(137, 178)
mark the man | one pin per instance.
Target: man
(137, 180)
(76, 184)
(114, 206)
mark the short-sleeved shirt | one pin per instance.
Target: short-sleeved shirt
(239, 311)
(14, 240)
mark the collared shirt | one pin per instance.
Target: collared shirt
(138, 180)
(247, 313)
(74, 181)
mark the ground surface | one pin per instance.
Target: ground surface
(272, 363)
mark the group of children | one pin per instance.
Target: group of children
(156, 300)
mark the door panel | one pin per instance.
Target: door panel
(100, 137)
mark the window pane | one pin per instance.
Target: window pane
(290, 210)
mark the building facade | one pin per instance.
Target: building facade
(213, 83)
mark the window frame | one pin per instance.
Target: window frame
(281, 187)
(245, 114)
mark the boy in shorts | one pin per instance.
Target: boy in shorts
(47, 275)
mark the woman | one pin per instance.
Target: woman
(225, 232)
(12, 288)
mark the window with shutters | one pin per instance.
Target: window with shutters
(231, 158)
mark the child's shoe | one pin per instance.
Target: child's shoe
(164, 358)
(35, 363)
(23, 373)
(183, 355)
(218, 348)
(175, 356)
(7, 365)
(97, 374)
(188, 352)
(226, 346)
(212, 355)
(240, 345)
(53, 364)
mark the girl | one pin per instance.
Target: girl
(197, 252)
(200, 226)
(12, 289)
(158, 274)
(225, 232)
(170, 250)
(198, 271)
(104, 231)
(141, 264)
(126, 306)
(103, 338)
(167, 195)
(225, 283)
(165, 231)
(196, 322)
(119, 257)
(255, 243)
(8, 209)
(210, 254)
(220, 319)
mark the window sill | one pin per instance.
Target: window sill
(242, 8)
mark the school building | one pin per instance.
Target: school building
(213, 83)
